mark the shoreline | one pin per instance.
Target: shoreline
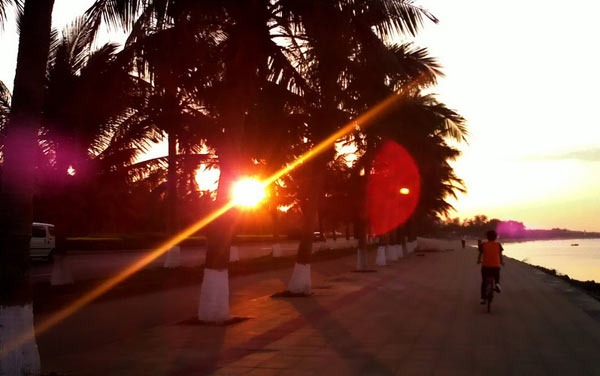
(590, 287)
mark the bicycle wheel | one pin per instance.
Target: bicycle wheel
(489, 293)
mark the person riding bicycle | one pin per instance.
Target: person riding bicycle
(490, 258)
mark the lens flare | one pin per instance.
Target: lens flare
(361, 121)
(394, 172)
(248, 192)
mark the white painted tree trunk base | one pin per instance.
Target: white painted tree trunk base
(380, 260)
(398, 251)
(173, 259)
(214, 296)
(361, 259)
(277, 250)
(15, 322)
(300, 280)
(317, 246)
(61, 271)
(234, 253)
(389, 253)
(412, 246)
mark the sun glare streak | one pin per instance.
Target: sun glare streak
(362, 121)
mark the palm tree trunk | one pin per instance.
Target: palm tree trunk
(300, 282)
(361, 256)
(214, 294)
(173, 259)
(402, 236)
(172, 185)
(275, 223)
(16, 192)
(363, 216)
(384, 240)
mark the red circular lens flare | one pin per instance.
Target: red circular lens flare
(393, 188)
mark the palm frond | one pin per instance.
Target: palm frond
(119, 13)
(5, 98)
(393, 17)
(5, 5)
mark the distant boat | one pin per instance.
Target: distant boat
(574, 245)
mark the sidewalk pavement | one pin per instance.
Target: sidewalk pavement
(420, 315)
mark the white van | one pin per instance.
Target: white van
(42, 241)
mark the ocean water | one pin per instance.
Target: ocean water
(581, 262)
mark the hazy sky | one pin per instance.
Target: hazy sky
(524, 74)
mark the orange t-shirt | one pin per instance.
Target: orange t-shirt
(491, 254)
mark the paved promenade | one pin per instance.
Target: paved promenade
(418, 316)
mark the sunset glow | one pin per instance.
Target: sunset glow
(248, 192)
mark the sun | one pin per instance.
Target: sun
(248, 192)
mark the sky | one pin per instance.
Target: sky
(523, 73)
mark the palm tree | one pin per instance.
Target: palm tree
(335, 33)
(246, 55)
(408, 70)
(16, 189)
(84, 134)
(272, 145)
(174, 58)
(422, 124)
(17, 182)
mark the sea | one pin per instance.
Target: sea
(581, 261)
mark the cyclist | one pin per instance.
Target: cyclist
(490, 258)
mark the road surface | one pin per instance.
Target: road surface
(418, 316)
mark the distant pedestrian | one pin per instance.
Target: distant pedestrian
(463, 241)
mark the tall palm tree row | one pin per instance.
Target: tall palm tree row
(256, 82)
(329, 36)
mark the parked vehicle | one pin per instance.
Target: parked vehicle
(318, 237)
(43, 240)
